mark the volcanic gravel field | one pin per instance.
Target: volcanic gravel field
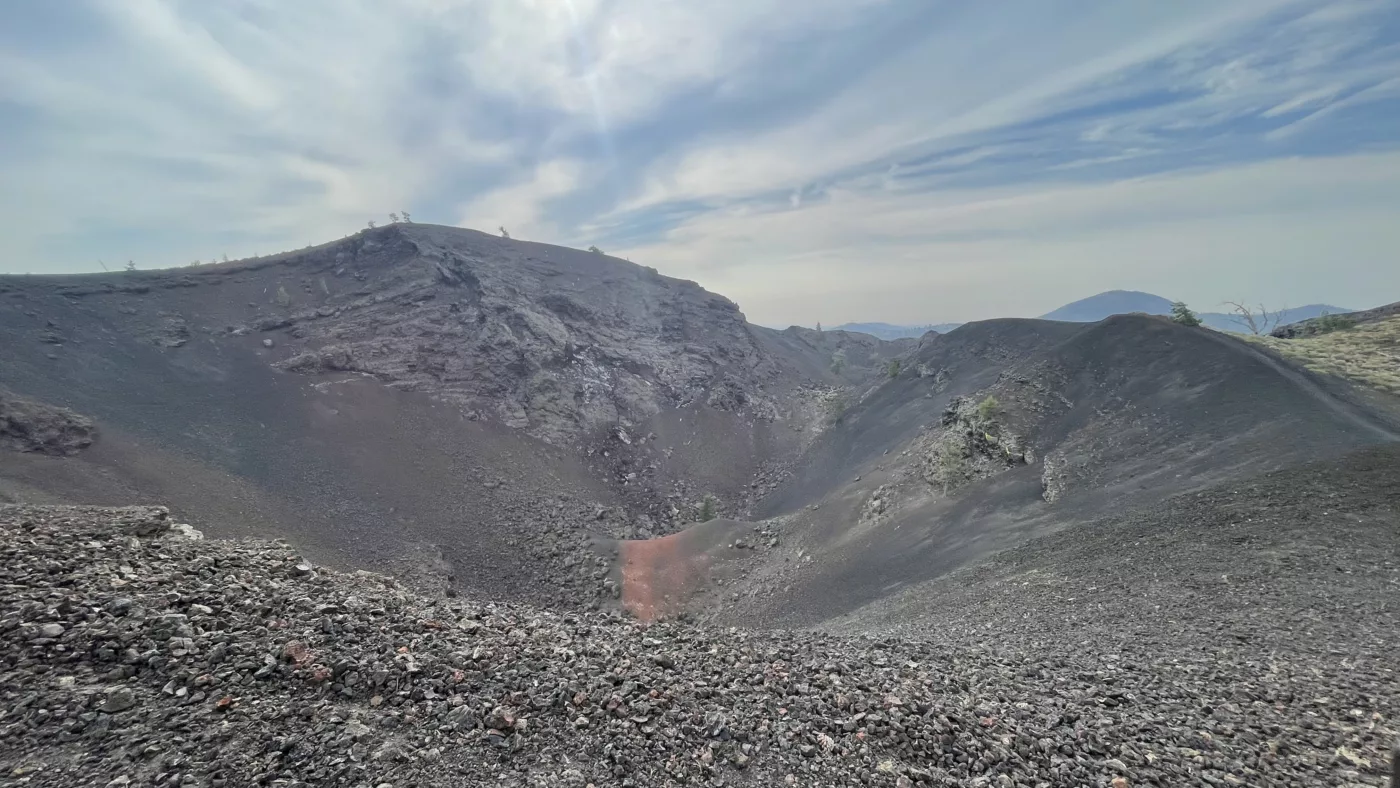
(137, 655)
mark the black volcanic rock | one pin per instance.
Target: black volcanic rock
(161, 659)
(29, 426)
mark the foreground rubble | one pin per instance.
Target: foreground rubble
(134, 653)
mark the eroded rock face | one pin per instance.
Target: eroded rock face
(554, 341)
(29, 426)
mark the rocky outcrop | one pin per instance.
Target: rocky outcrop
(971, 442)
(29, 426)
(553, 341)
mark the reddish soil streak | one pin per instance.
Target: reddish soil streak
(658, 575)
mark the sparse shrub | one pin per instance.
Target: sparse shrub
(894, 369)
(371, 224)
(950, 461)
(284, 299)
(504, 234)
(1183, 315)
(130, 265)
(707, 509)
(1327, 323)
(834, 407)
(838, 361)
(988, 408)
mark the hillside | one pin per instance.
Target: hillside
(504, 418)
(917, 479)
(419, 398)
(1367, 353)
(570, 477)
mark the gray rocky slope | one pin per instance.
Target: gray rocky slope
(469, 407)
(135, 653)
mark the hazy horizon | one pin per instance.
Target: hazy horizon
(884, 160)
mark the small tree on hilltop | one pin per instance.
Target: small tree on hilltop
(393, 218)
(1182, 314)
(504, 234)
(595, 250)
(371, 224)
(130, 265)
(406, 220)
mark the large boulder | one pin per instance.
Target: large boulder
(29, 426)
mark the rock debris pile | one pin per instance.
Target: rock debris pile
(133, 652)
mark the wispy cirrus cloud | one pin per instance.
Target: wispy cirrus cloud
(827, 160)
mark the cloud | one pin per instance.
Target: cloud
(814, 159)
(1265, 228)
(519, 207)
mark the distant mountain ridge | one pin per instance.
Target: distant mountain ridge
(1106, 304)
(892, 331)
(1124, 302)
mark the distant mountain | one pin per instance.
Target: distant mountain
(892, 331)
(1123, 302)
(1225, 321)
(1114, 302)
(1097, 307)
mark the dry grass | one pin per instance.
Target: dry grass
(1368, 354)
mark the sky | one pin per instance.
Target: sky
(906, 161)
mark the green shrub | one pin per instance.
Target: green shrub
(707, 509)
(988, 408)
(950, 461)
(835, 407)
(1326, 324)
(1183, 315)
(894, 369)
